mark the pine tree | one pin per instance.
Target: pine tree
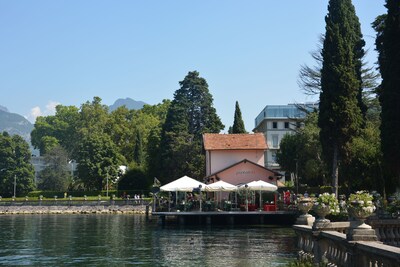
(388, 45)
(190, 114)
(238, 124)
(340, 113)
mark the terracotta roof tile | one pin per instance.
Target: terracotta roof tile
(234, 141)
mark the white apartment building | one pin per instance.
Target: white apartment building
(275, 121)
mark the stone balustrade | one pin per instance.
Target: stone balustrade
(388, 230)
(334, 248)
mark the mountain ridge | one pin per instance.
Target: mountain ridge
(128, 102)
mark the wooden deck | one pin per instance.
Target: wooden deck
(227, 217)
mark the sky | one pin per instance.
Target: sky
(66, 52)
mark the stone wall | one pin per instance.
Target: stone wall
(98, 209)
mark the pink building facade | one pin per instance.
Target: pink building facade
(237, 158)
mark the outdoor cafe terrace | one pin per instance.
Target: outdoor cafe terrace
(188, 195)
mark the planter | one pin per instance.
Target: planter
(305, 205)
(359, 212)
(322, 211)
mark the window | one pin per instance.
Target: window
(286, 125)
(275, 141)
(273, 157)
(274, 125)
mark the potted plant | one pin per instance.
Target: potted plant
(325, 204)
(305, 204)
(360, 206)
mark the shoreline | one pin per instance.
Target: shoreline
(98, 209)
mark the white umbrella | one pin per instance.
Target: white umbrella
(183, 184)
(260, 185)
(220, 186)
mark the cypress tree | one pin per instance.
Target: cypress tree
(340, 111)
(388, 46)
(138, 149)
(238, 124)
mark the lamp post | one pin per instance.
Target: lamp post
(15, 185)
(107, 182)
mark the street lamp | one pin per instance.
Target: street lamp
(108, 169)
(15, 185)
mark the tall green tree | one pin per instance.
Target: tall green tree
(238, 124)
(138, 150)
(62, 128)
(98, 161)
(190, 114)
(55, 176)
(388, 45)
(15, 166)
(301, 153)
(340, 109)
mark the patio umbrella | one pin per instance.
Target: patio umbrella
(183, 184)
(261, 185)
(220, 186)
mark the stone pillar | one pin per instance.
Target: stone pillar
(361, 232)
(305, 219)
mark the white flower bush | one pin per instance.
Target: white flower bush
(360, 204)
(327, 200)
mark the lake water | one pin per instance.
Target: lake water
(128, 240)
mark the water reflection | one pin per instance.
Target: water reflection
(126, 240)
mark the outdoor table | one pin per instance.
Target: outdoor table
(269, 207)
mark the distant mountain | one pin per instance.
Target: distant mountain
(127, 102)
(15, 124)
(3, 108)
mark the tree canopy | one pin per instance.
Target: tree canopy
(100, 141)
(55, 176)
(340, 109)
(190, 114)
(15, 166)
(387, 45)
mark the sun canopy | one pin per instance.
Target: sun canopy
(220, 186)
(260, 185)
(183, 184)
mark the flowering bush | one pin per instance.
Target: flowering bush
(360, 203)
(327, 200)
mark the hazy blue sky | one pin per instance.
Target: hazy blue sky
(251, 51)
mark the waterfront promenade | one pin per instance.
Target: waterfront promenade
(74, 207)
